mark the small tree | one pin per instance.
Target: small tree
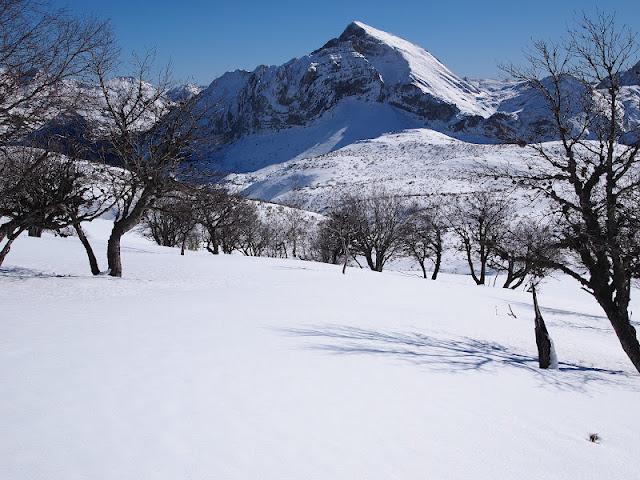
(422, 235)
(220, 214)
(253, 235)
(513, 253)
(539, 253)
(328, 243)
(172, 220)
(46, 191)
(479, 220)
(373, 224)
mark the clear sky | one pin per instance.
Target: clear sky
(203, 39)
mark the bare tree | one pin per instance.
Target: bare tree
(296, 229)
(161, 226)
(151, 140)
(47, 191)
(539, 253)
(172, 220)
(479, 220)
(253, 236)
(42, 53)
(513, 252)
(329, 243)
(373, 224)
(422, 235)
(591, 179)
(335, 235)
(221, 216)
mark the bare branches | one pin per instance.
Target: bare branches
(40, 53)
(591, 182)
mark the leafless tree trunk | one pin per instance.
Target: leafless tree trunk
(10, 238)
(35, 231)
(479, 220)
(93, 262)
(151, 139)
(591, 181)
(546, 354)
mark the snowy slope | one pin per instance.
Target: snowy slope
(412, 162)
(349, 122)
(231, 368)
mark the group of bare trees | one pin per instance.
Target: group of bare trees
(220, 222)
(141, 141)
(42, 51)
(483, 226)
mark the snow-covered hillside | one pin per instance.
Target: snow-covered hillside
(240, 368)
(412, 162)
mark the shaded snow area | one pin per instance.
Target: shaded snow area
(349, 122)
(228, 367)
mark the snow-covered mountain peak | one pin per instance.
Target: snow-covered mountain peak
(402, 62)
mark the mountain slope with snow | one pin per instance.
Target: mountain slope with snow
(413, 163)
(365, 75)
(361, 66)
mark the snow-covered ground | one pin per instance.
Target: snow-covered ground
(228, 367)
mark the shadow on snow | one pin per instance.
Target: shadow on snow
(451, 355)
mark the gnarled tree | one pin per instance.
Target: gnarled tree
(422, 235)
(151, 141)
(590, 178)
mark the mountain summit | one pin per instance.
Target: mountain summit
(401, 63)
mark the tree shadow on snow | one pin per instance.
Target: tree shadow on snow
(21, 273)
(451, 355)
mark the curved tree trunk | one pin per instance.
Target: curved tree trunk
(369, 258)
(436, 266)
(626, 332)
(546, 353)
(7, 246)
(93, 262)
(122, 226)
(114, 260)
(424, 270)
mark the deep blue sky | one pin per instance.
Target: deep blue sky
(203, 39)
